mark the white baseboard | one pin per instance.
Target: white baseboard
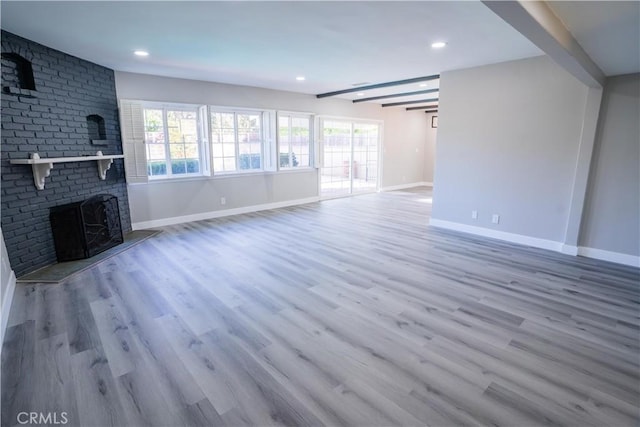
(218, 214)
(405, 186)
(617, 257)
(7, 298)
(535, 242)
(569, 249)
(500, 235)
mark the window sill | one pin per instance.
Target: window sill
(235, 174)
(178, 179)
(227, 175)
(297, 170)
(262, 172)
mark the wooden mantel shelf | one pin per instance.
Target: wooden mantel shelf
(42, 166)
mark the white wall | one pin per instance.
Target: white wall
(612, 213)
(154, 204)
(7, 287)
(429, 150)
(515, 155)
(404, 145)
(155, 88)
(196, 198)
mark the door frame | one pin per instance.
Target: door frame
(319, 151)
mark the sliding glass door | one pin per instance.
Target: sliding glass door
(365, 157)
(350, 151)
(335, 174)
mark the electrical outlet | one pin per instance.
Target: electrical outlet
(495, 218)
(474, 214)
(223, 200)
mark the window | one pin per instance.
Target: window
(173, 145)
(294, 141)
(171, 140)
(237, 140)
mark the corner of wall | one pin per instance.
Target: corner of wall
(7, 286)
(7, 298)
(594, 253)
(616, 257)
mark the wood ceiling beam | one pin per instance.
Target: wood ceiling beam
(380, 85)
(394, 104)
(397, 95)
(422, 107)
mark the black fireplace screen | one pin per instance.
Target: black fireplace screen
(84, 229)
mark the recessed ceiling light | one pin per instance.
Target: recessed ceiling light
(422, 85)
(360, 93)
(141, 53)
(300, 78)
(438, 45)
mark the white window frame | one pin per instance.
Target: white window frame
(202, 142)
(312, 153)
(266, 139)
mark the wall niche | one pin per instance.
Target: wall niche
(17, 75)
(97, 133)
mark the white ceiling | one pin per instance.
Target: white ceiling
(335, 45)
(267, 44)
(609, 31)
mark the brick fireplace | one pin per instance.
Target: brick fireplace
(55, 105)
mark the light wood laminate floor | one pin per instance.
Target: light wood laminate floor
(346, 312)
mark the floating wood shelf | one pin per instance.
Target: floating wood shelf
(42, 166)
